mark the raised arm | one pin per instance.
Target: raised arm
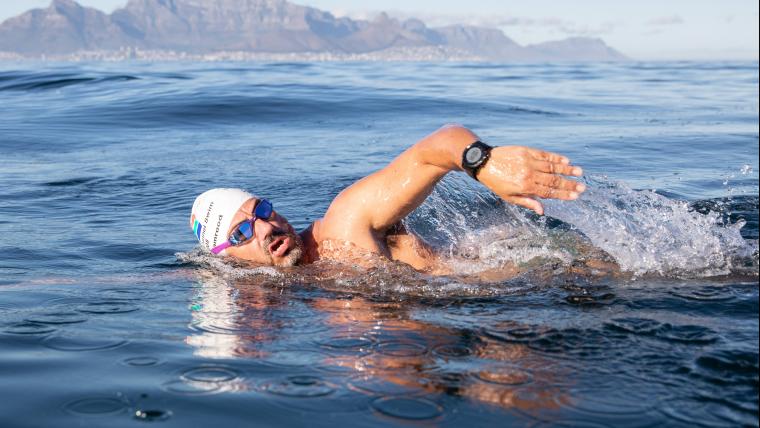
(517, 174)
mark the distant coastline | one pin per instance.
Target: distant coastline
(263, 30)
(420, 54)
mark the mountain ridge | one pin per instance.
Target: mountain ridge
(263, 26)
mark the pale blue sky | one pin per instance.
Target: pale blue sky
(644, 29)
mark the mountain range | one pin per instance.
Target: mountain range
(262, 26)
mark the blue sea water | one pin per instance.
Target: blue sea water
(110, 316)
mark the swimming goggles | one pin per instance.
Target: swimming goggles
(244, 230)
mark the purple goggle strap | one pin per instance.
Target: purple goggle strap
(219, 248)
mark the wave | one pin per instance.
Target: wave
(199, 101)
(12, 81)
(204, 109)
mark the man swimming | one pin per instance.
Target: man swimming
(367, 215)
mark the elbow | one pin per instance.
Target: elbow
(444, 147)
(454, 132)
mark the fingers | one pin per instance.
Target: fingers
(557, 168)
(547, 192)
(548, 157)
(526, 202)
(558, 182)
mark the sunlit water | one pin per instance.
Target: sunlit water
(110, 316)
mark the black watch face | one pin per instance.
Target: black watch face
(474, 155)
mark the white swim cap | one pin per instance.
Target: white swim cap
(212, 215)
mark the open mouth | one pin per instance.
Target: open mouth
(279, 246)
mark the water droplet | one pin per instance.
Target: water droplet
(152, 415)
(579, 299)
(407, 408)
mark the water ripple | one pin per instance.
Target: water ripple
(27, 327)
(57, 318)
(71, 343)
(407, 408)
(97, 406)
(142, 361)
(299, 386)
(401, 349)
(108, 307)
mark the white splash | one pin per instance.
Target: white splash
(644, 232)
(649, 233)
(226, 266)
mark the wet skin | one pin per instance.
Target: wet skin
(275, 242)
(367, 214)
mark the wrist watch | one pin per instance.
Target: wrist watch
(474, 157)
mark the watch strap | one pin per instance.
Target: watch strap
(472, 166)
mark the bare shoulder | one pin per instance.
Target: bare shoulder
(345, 221)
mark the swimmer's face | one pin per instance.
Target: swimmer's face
(275, 242)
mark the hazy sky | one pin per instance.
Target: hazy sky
(644, 29)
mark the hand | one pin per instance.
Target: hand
(520, 175)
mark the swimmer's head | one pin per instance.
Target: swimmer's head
(217, 212)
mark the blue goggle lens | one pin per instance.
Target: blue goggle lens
(244, 231)
(263, 210)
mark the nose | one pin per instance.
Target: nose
(263, 229)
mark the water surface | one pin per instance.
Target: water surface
(110, 316)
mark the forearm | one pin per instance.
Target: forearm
(519, 175)
(387, 196)
(443, 148)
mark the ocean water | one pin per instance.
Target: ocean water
(109, 315)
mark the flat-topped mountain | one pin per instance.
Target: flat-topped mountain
(265, 26)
